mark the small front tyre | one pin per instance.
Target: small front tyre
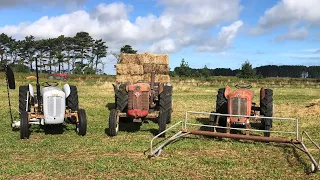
(113, 122)
(24, 125)
(81, 126)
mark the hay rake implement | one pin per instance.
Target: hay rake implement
(186, 128)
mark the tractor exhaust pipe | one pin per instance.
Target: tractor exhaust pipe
(152, 94)
(153, 74)
(38, 85)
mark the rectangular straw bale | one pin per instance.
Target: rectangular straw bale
(157, 68)
(129, 78)
(129, 69)
(164, 78)
(149, 58)
(158, 78)
(130, 59)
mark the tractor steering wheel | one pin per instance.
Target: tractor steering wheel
(244, 86)
(49, 84)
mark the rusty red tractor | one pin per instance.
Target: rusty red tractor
(141, 101)
(240, 102)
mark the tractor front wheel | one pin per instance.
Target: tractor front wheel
(24, 125)
(81, 126)
(113, 122)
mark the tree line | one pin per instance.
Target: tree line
(80, 54)
(246, 71)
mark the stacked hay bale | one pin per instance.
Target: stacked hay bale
(138, 67)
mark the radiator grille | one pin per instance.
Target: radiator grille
(54, 106)
(138, 102)
(145, 100)
(239, 106)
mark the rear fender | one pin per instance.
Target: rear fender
(31, 91)
(227, 91)
(66, 89)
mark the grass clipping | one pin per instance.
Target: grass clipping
(138, 67)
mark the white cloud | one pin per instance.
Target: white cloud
(163, 46)
(224, 39)
(288, 12)
(297, 34)
(205, 13)
(181, 24)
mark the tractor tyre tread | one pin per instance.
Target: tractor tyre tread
(82, 124)
(121, 99)
(24, 125)
(165, 107)
(113, 123)
(72, 100)
(22, 98)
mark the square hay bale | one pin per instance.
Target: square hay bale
(149, 58)
(129, 78)
(157, 68)
(129, 69)
(130, 59)
(159, 78)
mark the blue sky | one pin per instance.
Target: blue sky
(219, 34)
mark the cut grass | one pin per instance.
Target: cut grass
(66, 155)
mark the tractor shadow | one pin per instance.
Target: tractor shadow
(126, 125)
(288, 151)
(110, 106)
(52, 129)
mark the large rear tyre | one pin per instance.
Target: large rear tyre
(165, 104)
(72, 100)
(221, 107)
(113, 122)
(222, 102)
(266, 109)
(24, 125)
(81, 126)
(121, 97)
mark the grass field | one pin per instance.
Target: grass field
(65, 155)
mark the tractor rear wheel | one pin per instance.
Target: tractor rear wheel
(121, 98)
(165, 104)
(113, 122)
(222, 102)
(72, 100)
(82, 122)
(24, 125)
(266, 109)
(23, 90)
(221, 107)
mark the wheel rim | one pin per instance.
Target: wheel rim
(117, 122)
(77, 127)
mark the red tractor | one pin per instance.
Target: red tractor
(239, 102)
(141, 101)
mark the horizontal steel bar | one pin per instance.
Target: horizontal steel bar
(238, 136)
(257, 117)
(243, 129)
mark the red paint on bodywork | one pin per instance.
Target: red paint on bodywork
(240, 93)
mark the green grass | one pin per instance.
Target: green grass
(97, 156)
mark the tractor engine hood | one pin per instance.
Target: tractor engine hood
(54, 105)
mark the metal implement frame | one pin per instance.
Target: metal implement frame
(156, 151)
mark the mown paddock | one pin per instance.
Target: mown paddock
(67, 155)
